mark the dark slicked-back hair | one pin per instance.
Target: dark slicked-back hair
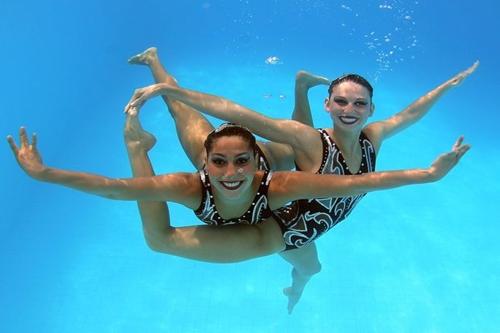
(230, 129)
(352, 78)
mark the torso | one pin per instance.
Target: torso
(306, 220)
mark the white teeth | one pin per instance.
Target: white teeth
(348, 119)
(232, 185)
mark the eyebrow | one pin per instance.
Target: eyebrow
(222, 155)
(356, 99)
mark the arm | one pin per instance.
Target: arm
(303, 82)
(289, 186)
(418, 109)
(302, 138)
(181, 188)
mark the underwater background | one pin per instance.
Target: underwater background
(416, 259)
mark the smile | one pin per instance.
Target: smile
(348, 120)
(231, 185)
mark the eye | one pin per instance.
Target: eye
(361, 103)
(242, 160)
(340, 101)
(218, 161)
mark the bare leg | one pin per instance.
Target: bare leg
(305, 260)
(205, 243)
(154, 215)
(305, 264)
(192, 127)
(303, 82)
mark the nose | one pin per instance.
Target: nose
(231, 170)
(348, 108)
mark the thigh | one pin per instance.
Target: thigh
(225, 244)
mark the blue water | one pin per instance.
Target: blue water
(416, 259)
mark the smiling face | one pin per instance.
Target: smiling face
(231, 166)
(349, 105)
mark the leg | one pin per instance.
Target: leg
(192, 127)
(303, 82)
(205, 243)
(305, 264)
(154, 215)
(232, 243)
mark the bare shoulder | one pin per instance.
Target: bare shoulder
(375, 133)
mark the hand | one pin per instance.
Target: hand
(457, 79)
(446, 162)
(27, 156)
(142, 95)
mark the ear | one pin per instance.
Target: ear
(372, 109)
(327, 104)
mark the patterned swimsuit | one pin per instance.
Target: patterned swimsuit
(305, 220)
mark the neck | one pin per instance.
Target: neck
(348, 141)
(244, 199)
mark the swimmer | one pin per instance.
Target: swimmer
(348, 147)
(192, 129)
(220, 195)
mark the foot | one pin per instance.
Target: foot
(295, 291)
(309, 80)
(293, 297)
(135, 136)
(144, 58)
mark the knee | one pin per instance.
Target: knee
(158, 242)
(155, 245)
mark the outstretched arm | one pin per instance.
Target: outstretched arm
(232, 243)
(289, 186)
(415, 111)
(303, 82)
(302, 138)
(181, 187)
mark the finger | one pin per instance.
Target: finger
(136, 102)
(137, 93)
(24, 137)
(458, 143)
(127, 106)
(33, 141)
(473, 67)
(12, 144)
(463, 150)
